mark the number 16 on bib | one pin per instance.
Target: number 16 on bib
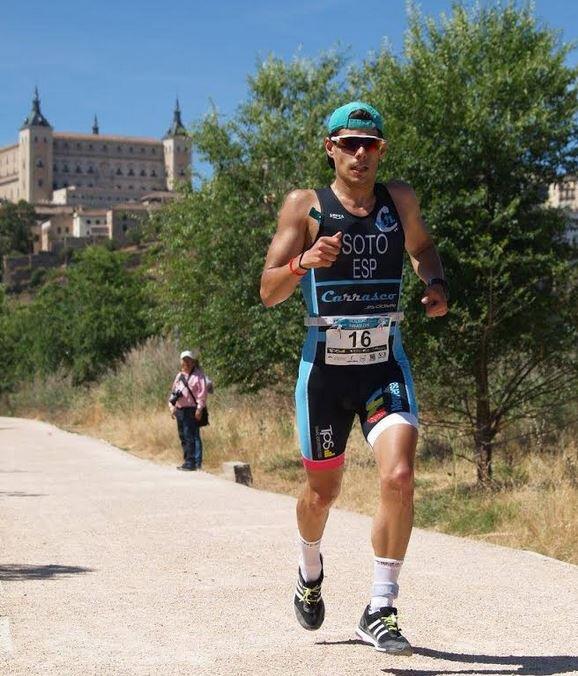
(357, 347)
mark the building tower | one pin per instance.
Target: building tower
(177, 148)
(95, 129)
(35, 141)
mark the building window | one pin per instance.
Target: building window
(55, 167)
(88, 221)
(131, 172)
(91, 170)
(65, 169)
(119, 149)
(119, 172)
(78, 146)
(59, 230)
(130, 187)
(55, 186)
(36, 139)
(39, 163)
(154, 151)
(153, 173)
(142, 150)
(97, 221)
(67, 230)
(45, 140)
(40, 183)
(90, 146)
(66, 145)
(105, 148)
(78, 169)
(130, 149)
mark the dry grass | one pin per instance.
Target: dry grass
(534, 505)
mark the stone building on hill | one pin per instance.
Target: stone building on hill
(564, 195)
(79, 180)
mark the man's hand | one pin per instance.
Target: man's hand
(172, 410)
(323, 253)
(198, 414)
(435, 301)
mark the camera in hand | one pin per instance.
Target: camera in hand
(175, 396)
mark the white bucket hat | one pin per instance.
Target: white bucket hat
(191, 354)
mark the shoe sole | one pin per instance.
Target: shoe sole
(366, 638)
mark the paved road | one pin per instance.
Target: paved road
(115, 565)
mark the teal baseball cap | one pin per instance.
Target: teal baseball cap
(341, 118)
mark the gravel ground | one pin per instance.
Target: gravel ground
(115, 565)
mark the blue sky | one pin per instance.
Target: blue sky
(126, 60)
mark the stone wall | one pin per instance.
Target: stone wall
(17, 270)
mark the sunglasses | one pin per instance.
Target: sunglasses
(354, 143)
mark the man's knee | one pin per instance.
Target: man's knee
(320, 499)
(398, 478)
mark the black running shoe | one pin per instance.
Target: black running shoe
(187, 467)
(381, 630)
(309, 606)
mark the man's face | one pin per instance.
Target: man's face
(356, 160)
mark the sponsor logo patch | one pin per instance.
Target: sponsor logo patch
(385, 221)
(324, 438)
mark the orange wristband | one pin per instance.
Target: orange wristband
(293, 270)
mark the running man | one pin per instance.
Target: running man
(345, 245)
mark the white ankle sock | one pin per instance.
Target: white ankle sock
(385, 587)
(310, 559)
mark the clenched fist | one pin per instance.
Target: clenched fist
(323, 253)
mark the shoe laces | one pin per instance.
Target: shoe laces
(312, 595)
(390, 622)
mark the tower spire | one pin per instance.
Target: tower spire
(177, 128)
(35, 118)
(95, 129)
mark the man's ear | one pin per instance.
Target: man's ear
(329, 145)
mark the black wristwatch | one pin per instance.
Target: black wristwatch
(442, 283)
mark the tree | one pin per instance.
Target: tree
(481, 113)
(214, 239)
(84, 320)
(16, 221)
(7, 345)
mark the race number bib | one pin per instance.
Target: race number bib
(357, 347)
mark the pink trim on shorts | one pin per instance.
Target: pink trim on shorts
(324, 464)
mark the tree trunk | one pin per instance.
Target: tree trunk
(483, 432)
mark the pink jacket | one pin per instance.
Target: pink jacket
(197, 385)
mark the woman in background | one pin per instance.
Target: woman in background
(186, 403)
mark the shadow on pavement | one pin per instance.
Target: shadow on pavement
(511, 664)
(520, 665)
(11, 572)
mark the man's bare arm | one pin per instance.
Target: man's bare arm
(420, 247)
(278, 281)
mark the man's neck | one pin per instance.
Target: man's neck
(356, 196)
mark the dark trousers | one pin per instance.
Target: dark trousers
(190, 436)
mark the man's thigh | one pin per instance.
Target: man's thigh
(394, 449)
(323, 421)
